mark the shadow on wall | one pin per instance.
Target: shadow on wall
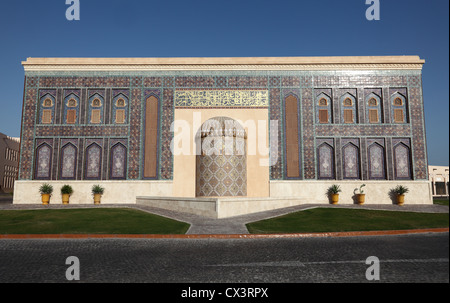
(393, 196)
(6, 198)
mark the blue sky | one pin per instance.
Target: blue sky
(232, 28)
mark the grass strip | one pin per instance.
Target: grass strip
(87, 221)
(339, 220)
(440, 201)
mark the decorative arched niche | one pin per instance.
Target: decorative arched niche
(402, 161)
(325, 160)
(43, 162)
(221, 161)
(93, 162)
(68, 161)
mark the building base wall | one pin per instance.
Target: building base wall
(116, 192)
(282, 194)
(377, 192)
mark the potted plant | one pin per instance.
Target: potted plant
(97, 191)
(360, 195)
(400, 191)
(46, 191)
(333, 192)
(66, 191)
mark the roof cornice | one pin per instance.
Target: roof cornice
(230, 63)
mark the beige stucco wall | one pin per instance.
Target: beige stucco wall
(184, 164)
(27, 192)
(377, 192)
(438, 173)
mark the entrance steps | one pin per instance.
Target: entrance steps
(220, 207)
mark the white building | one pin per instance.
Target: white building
(439, 180)
(9, 162)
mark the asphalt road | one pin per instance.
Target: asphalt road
(405, 258)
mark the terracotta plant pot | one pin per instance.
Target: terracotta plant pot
(334, 198)
(400, 199)
(65, 198)
(361, 198)
(97, 198)
(45, 199)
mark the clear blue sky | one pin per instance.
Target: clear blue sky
(231, 28)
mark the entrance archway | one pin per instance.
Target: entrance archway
(221, 164)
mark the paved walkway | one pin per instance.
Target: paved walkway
(234, 225)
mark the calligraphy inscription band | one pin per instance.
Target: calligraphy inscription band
(222, 98)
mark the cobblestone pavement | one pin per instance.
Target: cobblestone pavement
(232, 225)
(403, 259)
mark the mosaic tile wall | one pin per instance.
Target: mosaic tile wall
(47, 127)
(221, 169)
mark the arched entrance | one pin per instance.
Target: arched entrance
(221, 164)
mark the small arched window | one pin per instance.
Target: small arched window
(47, 102)
(96, 102)
(348, 102)
(120, 102)
(72, 103)
(120, 111)
(373, 102)
(348, 110)
(323, 102)
(323, 114)
(399, 108)
(374, 109)
(398, 102)
(71, 110)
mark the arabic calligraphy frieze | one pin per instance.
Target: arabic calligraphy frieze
(221, 98)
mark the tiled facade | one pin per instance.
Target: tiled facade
(366, 124)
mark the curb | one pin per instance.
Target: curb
(226, 236)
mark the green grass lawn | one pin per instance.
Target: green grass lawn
(338, 219)
(440, 201)
(87, 221)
